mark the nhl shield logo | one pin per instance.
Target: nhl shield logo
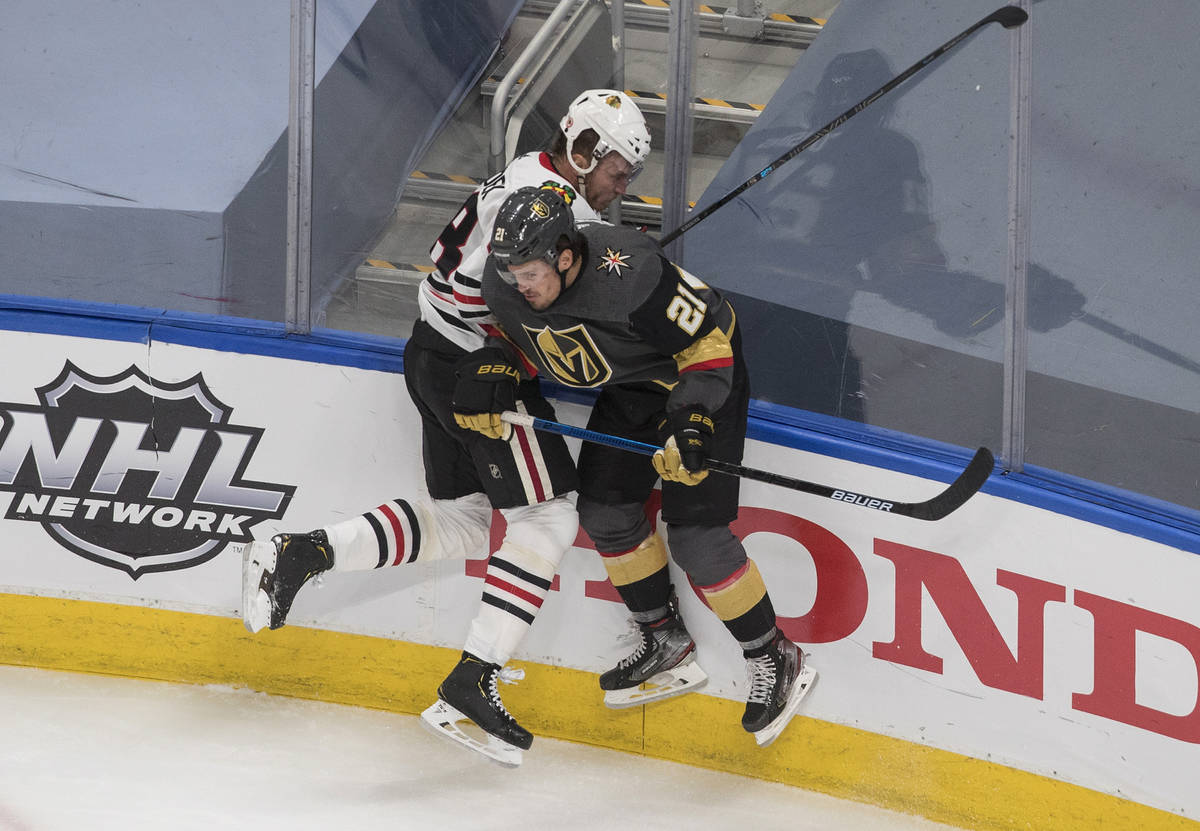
(134, 473)
(570, 355)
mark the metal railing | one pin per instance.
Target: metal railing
(713, 22)
(525, 79)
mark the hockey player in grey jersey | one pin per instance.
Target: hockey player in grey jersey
(598, 306)
(528, 478)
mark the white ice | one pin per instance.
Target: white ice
(89, 753)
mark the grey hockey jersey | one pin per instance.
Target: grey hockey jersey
(631, 315)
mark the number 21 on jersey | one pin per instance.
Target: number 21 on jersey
(685, 308)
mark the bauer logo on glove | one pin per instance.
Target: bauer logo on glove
(683, 458)
(486, 372)
(486, 387)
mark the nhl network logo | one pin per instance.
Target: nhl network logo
(133, 473)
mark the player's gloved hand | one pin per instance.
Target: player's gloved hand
(486, 387)
(683, 458)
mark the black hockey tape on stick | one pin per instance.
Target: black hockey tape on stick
(1007, 16)
(958, 492)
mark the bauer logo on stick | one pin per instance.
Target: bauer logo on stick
(859, 499)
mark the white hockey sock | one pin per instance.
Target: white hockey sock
(519, 577)
(388, 535)
(513, 590)
(400, 532)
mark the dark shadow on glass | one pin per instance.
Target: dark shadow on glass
(856, 214)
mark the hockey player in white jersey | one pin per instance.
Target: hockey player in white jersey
(529, 477)
(600, 147)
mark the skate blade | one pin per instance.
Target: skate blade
(684, 678)
(443, 720)
(802, 687)
(257, 557)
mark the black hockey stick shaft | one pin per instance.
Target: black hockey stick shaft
(1007, 16)
(958, 492)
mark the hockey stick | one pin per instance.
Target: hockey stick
(952, 498)
(1007, 16)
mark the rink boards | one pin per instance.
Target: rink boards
(1003, 667)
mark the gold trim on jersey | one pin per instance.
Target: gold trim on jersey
(570, 355)
(713, 346)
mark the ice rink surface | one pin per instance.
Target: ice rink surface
(90, 753)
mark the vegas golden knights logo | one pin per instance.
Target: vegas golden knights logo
(570, 355)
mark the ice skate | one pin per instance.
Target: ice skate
(469, 694)
(663, 666)
(273, 573)
(778, 681)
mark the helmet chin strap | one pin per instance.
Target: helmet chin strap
(580, 172)
(562, 279)
(576, 257)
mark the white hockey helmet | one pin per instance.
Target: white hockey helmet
(617, 121)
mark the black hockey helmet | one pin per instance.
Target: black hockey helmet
(529, 225)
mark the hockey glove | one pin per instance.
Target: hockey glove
(486, 387)
(685, 454)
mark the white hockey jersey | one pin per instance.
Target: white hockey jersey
(450, 298)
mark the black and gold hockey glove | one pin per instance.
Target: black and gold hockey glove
(684, 456)
(486, 387)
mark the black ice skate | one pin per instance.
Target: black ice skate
(778, 681)
(273, 572)
(663, 666)
(469, 693)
